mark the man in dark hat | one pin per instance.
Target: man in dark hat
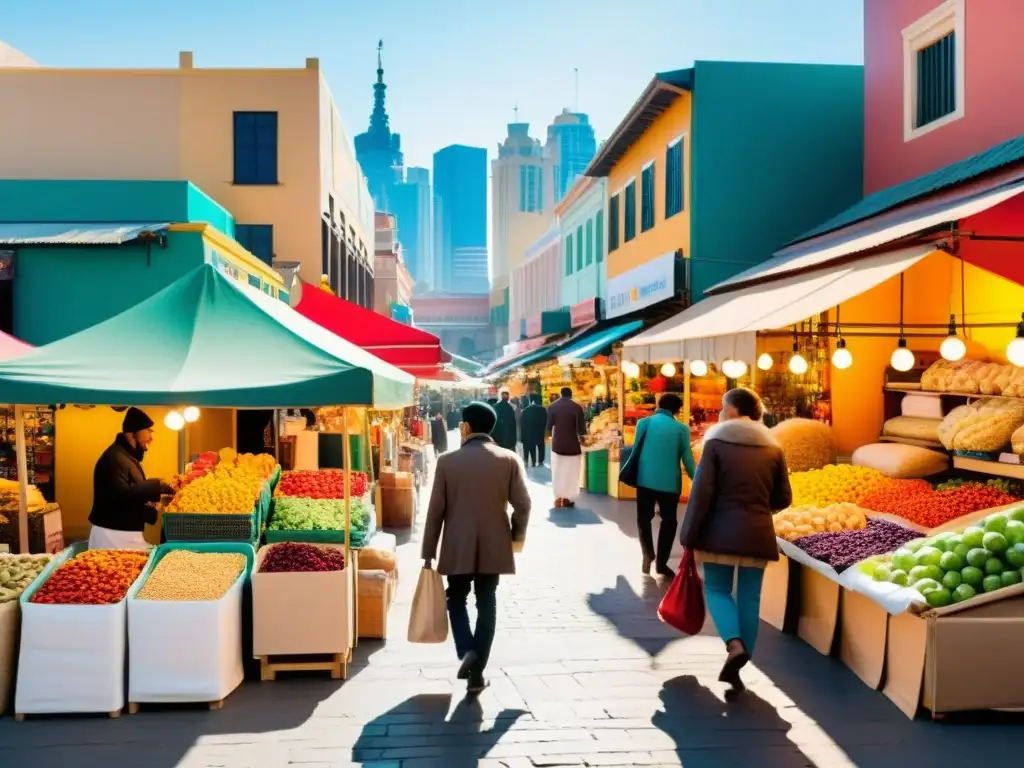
(535, 419)
(473, 487)
(505, 430)
(122, 498)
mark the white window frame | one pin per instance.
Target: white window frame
(947, 17)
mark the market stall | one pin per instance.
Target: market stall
(200, 343)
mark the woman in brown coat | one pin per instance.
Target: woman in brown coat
(741, 480)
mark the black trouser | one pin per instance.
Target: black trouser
(533, 452)
(668, 507)
(479, 639)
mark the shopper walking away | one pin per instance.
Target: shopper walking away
(438, 433)
(505, 433)
(566, 424)
(123, 498)
(535, 419)
(473, 487)
(742, 479)
(661, 447)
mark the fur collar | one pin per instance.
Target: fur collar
(742, 432)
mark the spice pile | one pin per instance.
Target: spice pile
(843, 549)
(94, 577)
(184, 576)
(918, 502)
(292, 557)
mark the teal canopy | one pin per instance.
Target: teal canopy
(205, 340)
(594, 343)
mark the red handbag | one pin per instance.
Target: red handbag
(682, 606)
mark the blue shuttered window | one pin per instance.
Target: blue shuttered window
(674, 179)
(255, 147)
(257, 239)
(613, 223)
(579, 247)
(629, 227)
(568, 255)
(936, 81)
(599, 236)
(647, 198)
(590, 242)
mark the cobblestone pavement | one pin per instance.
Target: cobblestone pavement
(582, 674)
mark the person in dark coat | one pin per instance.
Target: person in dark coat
(123, 498)
(505, 430)
(438, 433)
(535, 419)
(741, 480)
(567, 424)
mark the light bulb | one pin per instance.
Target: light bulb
(630, 369)
(1015, 349)
(952, 347)
(734, 369)
(668, 370)
(698, 368)
(174, 420)
(765, 362)
(191, 414)
(797, 364)
(902, 358)
(841, 358)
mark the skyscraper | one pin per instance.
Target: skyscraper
(379, 151)
(460, 214)
(412, 206)
(570, 147)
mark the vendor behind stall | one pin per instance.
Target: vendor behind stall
(123, 499)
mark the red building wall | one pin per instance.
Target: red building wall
(994, 82)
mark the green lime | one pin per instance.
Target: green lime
(973, 535)
(899, 577)
(881, 573)
(924, 586)
(1017, 514)
(972, 576)
(1015, 555)
(953, 579)
(963, 592)
(928, 556)
(938, 597)
(903, 559)
(992, 583)
(962, 549)
(1009, 578)
(915, 544)
(994, 566)
(978, 557)
(951, 561)
(1014, 532)
(994, 542)
(996, 523)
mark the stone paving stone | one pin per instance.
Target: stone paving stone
(582, 674)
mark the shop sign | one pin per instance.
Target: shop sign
(643, 286)
(534, 326)
(583, 313)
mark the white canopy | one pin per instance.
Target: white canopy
(726, 325)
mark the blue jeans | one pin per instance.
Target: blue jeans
(480, 638)
(734, 619)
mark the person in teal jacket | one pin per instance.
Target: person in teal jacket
(664, 452)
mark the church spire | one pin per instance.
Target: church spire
(379, 117)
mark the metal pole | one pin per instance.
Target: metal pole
(22, 464)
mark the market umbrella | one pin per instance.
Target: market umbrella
(205, 340)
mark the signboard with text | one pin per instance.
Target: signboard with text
(642, 286)
(583, 313)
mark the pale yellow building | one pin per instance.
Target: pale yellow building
(267, 144)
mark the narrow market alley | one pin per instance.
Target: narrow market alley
(582, 674)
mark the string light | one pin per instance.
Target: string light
(668, 370)
(952, 347)
(842, 358)
(797, 363)
(174, 421)
(902, 358)
(698, 368)
(733, 369)
(765, 362)
(191, 414)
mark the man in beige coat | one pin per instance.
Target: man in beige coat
(473, 487)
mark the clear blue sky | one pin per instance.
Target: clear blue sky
(455, 68)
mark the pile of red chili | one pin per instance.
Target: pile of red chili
(918, 502)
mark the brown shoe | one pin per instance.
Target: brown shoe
(559, 502)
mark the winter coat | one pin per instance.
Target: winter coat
(566, 424)
(438, 434)
(535, 420)
(504, 433)
(473, 487)
(741, 480)
(121, 490)
(666, 448)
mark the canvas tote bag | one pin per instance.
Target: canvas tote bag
(428, 621)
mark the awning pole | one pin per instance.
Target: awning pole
(346, 449)
(22, 464)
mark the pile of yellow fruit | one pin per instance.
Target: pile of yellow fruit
(834, 484)
(262, 464)
(226, 490)
(796, 522)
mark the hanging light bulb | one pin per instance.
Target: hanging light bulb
(734, 369)
(1015, 349)
(765, 362)
(191, 414)
(698, 368)
(797, 363)
(902, 358)
(952, 347)
(174, 420)
(630, 369)
(841, 358)
(668, 370)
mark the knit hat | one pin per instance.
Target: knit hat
(480, 417)
(135, 420)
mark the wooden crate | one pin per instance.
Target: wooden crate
(374, 601)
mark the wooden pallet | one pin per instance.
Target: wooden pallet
(135, 706)
(19, 717)
(335, 663)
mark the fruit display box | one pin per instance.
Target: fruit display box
(186, 651)
(181, 526)
(72, 657)
(302, 613)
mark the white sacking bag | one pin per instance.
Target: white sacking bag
(185, 651)
(72, 656)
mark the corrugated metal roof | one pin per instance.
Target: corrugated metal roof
(52, 233)
(993, 158)
(655, 99)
